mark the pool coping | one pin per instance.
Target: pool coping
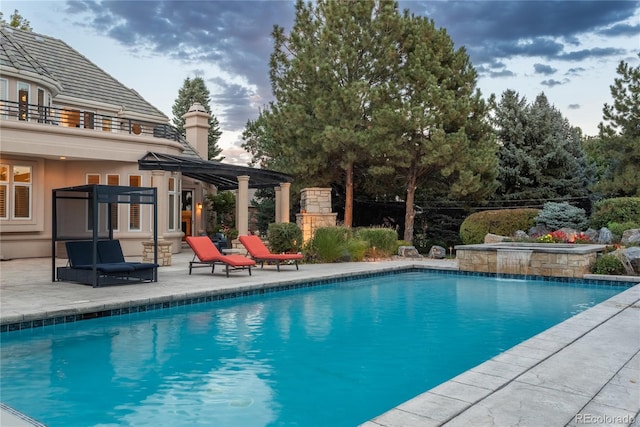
(475, 391)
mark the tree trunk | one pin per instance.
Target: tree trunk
(348, 202)
(410, 212)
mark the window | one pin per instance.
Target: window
(106, 124)
(89, 119)
(4, 91)
(42, 107)
(173, 199)
(134, 208)
(4, 191)
(114, 180)
(16, 192)
(23, 101)
(70, 118)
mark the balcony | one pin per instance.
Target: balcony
(74, 118)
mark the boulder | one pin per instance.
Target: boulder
(494, 238)
(408, 251)
(520, 235)
(591, 234)
(633, 255)
(538, 231)
(437, 252)
(605, 236)
(631, 237)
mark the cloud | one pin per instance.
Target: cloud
(621, 30)
(501, 29)
(575, 71)
(544, 69)
(573, 106)
(551, 83)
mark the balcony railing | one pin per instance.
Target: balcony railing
(68, 117)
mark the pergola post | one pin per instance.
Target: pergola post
(278, 205)
(284, 201)
(242, 206)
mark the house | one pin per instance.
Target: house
(65, 122)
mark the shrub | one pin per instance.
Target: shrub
(616, 210)
(384, 241)
(504, 222)
(284, 237)
(608, 264)
(617, 228)
(330, 244)
(560, 215)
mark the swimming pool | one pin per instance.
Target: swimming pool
(331, 355)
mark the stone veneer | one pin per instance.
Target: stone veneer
(164, 252)
(546, 259)
(315, 211)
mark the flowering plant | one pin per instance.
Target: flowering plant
(559, 236)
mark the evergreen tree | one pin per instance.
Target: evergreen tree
(195, 90)
(616, 150)
(16, 21)
(323, 75)
(433, 120)
(541, 154)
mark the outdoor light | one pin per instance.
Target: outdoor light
(199, 205)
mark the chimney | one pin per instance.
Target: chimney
(196, 125)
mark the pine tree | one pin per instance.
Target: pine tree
(195, 90)
(433, 120)
(323, 75)
(616, 150)
(16, 21)
(541, 154)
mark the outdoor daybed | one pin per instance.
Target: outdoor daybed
(109, 267)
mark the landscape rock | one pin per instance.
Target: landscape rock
(591, 234)
(605, 236)
(437, 252)
(408, 251)
(520, 235)
(494, 238)
(633, 255)
(631, 237)
(571, 233)
(538, 231)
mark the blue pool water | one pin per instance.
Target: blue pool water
(332, 355)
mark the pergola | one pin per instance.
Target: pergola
(85, 213)
(224, 176)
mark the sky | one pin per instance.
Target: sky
(567, 49)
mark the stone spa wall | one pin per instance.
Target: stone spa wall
(536, 259)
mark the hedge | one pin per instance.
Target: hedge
(504, 222)
(617, 210)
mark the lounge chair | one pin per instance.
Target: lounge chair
(206, 253)
(260, 253)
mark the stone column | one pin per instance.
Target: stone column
(284, 201)
(315, 211)
(159, 179)
(278, 217)
(242, 206)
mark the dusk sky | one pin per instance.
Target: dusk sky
(567, 49)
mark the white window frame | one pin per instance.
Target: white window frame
(10, 188)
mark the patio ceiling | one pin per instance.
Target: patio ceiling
(224, 176)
